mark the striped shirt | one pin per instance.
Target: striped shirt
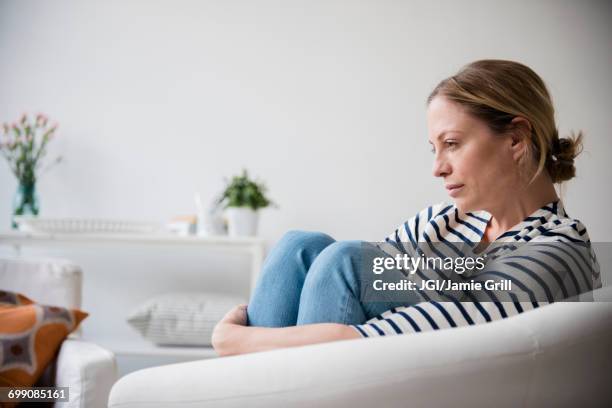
(547, 272)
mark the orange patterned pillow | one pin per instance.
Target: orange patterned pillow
(30, 336)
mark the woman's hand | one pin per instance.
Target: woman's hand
(232, 336)
(237, 315)
(225, 334)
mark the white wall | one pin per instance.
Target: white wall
(324, 100)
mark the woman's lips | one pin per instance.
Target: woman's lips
(454, 189)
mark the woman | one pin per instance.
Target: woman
(497, 150)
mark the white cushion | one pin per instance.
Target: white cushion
(181, 318)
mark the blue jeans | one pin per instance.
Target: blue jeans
(308, 277)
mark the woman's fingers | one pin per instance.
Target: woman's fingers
(237, 315)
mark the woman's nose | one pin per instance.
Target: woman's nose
(441, 167)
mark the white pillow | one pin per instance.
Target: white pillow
(181, 319)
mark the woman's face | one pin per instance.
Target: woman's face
(477, 165)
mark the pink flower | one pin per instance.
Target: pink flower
(41, 119)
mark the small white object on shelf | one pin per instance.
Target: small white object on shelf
(183, 225)
(211, 221)
(84, 225)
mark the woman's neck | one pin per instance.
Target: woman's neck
(518, 205)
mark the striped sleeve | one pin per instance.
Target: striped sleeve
(548, 269)
(427, 316)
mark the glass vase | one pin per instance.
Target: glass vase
(25, 201)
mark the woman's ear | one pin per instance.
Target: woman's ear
(520, 133)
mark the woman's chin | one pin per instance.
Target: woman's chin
(464, 205)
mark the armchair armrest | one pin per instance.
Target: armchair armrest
(557, 355)
(89, 370)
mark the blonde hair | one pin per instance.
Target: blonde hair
(497, 91)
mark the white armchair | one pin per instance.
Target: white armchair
(86, 368)
(558, 355)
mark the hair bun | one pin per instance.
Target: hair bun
(563, 152)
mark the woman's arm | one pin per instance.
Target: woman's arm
(231, 335)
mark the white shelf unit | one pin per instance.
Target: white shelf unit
(138, 352)
(254, 246)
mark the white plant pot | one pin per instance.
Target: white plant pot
(241, 221)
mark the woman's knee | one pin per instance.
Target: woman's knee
(338, 258)
(343, 249)
(298, 239)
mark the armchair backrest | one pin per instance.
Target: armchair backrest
(47, 281)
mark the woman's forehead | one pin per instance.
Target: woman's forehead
(444, 116)
(441, 107)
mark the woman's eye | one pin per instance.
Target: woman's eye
(451, 144)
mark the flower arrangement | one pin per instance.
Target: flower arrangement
(24, 145)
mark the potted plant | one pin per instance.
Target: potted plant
(242, 199)
(24, 145)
